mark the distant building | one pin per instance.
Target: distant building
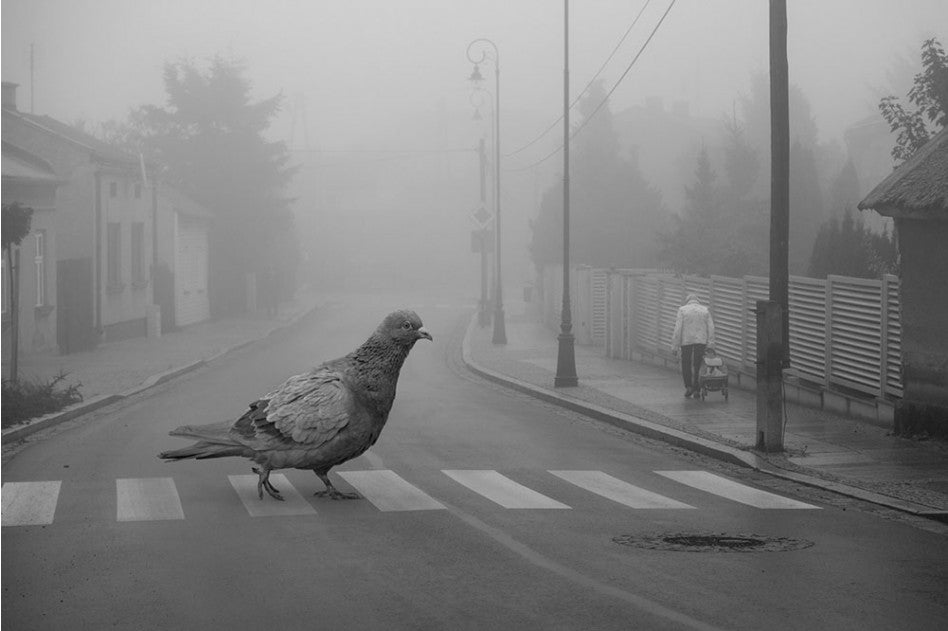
(915, 195)
(104, 229)
(30, 181)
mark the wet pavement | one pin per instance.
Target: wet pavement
(849, 455)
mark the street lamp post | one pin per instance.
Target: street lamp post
(566, 355)
(489, 51)
(482, 216)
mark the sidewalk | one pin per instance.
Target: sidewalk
(849, 456)
(114, 370)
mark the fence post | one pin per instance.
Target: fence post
(884, 334)
(829, 332)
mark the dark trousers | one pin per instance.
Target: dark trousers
(691, 356)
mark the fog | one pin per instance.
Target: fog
(379, 112)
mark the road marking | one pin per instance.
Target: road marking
(618, 491)
(30, 503)
(292, 504)
(501, 490)
(389, 492)
(728, 489)
(147, 499)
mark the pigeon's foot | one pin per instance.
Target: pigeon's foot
(332, 492)
(263, 483)
(335, 494)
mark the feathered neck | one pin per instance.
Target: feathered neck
(382, 354)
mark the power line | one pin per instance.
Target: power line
(606, 98)
(583, 91)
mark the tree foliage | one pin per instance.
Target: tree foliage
(210, 137)
(614, 212)
(914, 126)
(16, 224)
(844, 245)
(723, 228)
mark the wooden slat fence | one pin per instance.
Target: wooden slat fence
(844, 332)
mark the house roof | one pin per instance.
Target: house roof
(19, 164)
(93, 145)
(918, 187)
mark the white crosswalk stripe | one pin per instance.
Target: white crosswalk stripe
(717, 485)
(147, 499)
(30, 503)
(292, 504)
(618, 491)
(152, 499)
(389, 492)
(501, 489)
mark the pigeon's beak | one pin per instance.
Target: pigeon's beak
(423, 333)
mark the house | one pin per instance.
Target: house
(31, 182)
(104, 229)
(915, 195)
(181, 267)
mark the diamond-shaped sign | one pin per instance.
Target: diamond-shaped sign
(482, 217)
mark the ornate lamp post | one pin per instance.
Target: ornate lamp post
(481, 214)
(566, 355)
(488, 50)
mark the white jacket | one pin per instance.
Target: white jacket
(693, 325)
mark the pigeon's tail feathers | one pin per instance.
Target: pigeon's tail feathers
(204, 450)
(214, 441)
(215, 432)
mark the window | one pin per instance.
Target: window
(39, 263)
(114, 254)
(113, 189)
(4, 281)
(138, 252)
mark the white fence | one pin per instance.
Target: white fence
(844, 332)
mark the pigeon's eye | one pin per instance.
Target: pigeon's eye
(406, 325)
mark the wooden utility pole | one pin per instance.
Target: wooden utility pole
(773, 319)
(566, 352)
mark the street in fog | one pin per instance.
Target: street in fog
(585, 315)
(466, 526)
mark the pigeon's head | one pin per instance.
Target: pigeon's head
(404, 327)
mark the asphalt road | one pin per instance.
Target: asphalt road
(484, 509)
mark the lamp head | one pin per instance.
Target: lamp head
(476, 76)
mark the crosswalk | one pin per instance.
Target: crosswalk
(157, 499)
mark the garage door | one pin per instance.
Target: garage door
(191, 303)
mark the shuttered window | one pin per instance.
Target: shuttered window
(114, 254)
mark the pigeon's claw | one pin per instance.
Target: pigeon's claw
(263, 483)
(332, 492)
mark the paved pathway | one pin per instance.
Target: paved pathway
(825, 447)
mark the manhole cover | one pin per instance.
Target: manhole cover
(713, 542)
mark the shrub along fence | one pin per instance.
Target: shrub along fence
(845, 333)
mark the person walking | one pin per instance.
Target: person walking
(694, 331)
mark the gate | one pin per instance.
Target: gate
(75, 327)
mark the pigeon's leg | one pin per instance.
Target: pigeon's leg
(332, 492)
(263, 482)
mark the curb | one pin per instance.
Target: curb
(688, 441)
(19, 432)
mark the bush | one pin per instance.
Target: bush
(26, 399)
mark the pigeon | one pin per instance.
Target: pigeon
(318, 419)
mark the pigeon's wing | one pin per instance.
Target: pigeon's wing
(309, 408)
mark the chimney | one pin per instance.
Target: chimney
(9, 95)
